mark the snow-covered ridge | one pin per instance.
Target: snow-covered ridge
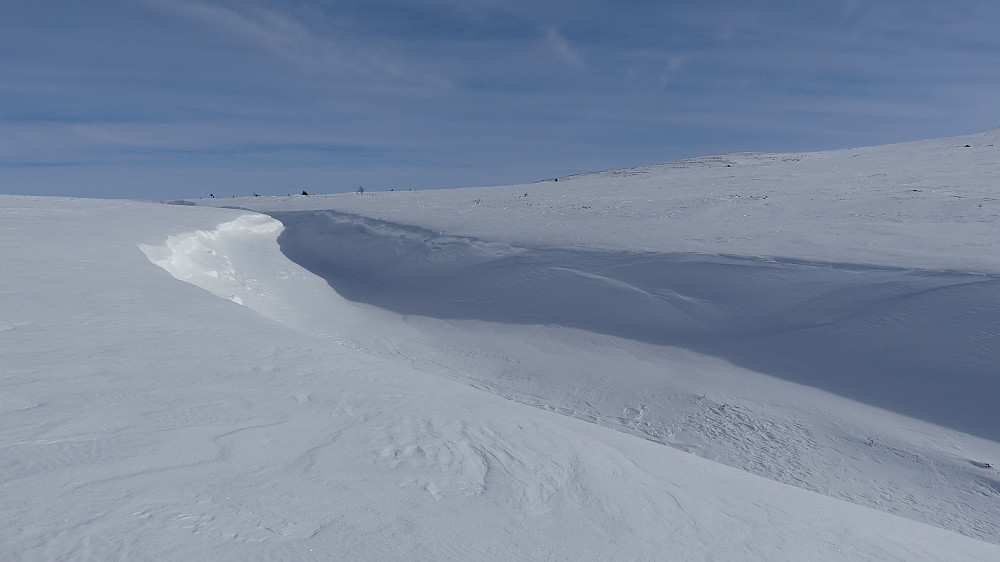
(910, 341)
(867, 272)
(929, 205)
(718, 304)
(483, 398)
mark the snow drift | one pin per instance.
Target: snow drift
(919, 342)
(145, 418)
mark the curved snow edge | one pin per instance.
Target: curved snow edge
(241, 261)
(202, 257)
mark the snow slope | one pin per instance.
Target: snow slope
(146, 418)
(929, 204)
(714, 305)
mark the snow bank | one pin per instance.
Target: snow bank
(911, 341)
(662, 299)
(145, 418)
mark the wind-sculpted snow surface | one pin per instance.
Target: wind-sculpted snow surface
(497, 315)
(193, 256)
(921, 343)
(870, 273)
(146, 419)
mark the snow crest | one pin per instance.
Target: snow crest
(202, 257)
(240, 260)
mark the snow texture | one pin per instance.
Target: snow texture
(483, 375)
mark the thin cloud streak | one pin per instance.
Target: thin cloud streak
(290, 39)
(447, 93)
(562, 50)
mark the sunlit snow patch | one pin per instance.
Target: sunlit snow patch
(202, 257)
(240, 261)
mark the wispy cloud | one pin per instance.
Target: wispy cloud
(336, 52)
(273, 30)
(561, 49)
(446, 93)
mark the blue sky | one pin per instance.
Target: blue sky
(181, 98)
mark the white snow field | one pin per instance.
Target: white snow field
(518, 372)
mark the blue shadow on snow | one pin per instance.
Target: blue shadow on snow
(921, 343)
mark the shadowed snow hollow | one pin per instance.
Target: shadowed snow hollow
(921, 343)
